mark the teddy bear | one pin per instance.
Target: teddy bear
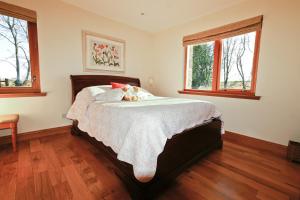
(131, 93)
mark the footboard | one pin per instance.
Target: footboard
(181, 151)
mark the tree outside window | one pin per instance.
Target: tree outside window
(14, 53)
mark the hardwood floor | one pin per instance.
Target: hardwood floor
(68, 167)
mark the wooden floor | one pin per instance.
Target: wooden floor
(68, 167)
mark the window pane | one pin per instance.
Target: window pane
(200, 59)
(237, 61)
(14, 53)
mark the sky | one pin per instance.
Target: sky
(7, 57)
(247, 62)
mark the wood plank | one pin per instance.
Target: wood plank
(264, 146)
(56, 174)
(36, 134)
(96, 187)
(25, 180)
(38, 161)
(225, 185)
(35, 145)
(67, 167)
(42, 186)
(202, 187)
(23, 94)
(24, 163)
(8, 181)
(230, 30)
(181, 191)
(25, 188)
(262, 189)
(63, 191)
(17, 11)
(102, 170)
(78, 187)
(256, 172)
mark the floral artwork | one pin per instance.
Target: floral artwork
(103, 53)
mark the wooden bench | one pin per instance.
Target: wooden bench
(10, 122)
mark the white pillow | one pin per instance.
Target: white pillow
(94, 90)
(111, 95)
(84, 98)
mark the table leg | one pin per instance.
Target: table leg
(14, 137)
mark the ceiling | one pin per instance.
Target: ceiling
(158, 14)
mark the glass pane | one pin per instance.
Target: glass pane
(237, 61)
(14, 53)
(200, 60)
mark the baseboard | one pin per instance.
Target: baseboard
(261, 145)
(36, 134)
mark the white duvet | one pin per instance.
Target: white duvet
(138, 131)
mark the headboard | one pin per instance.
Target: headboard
(81, 81)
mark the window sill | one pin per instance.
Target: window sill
(24, 94)
(220, 94)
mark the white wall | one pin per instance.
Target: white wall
(60, 53)
(276, 116)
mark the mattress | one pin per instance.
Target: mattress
(137, 131)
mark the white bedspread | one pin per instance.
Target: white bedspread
(138, 131)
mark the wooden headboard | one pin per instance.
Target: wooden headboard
(81, 81)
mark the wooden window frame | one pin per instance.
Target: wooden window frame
(30, 17)
(216, 35)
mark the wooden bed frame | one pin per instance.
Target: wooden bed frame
(179, 153)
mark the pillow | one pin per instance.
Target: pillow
(112, 95)
(95, 90)
(115, 85)
(105, 87)
(83, 99)
(92, 91)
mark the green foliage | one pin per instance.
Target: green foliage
(202, 65)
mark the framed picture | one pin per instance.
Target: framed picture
(102, 53)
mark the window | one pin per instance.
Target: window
(223, 61)
(200, 65)
(19, 66)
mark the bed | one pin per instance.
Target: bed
(180, 151)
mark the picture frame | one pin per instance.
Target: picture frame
(102, 53)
